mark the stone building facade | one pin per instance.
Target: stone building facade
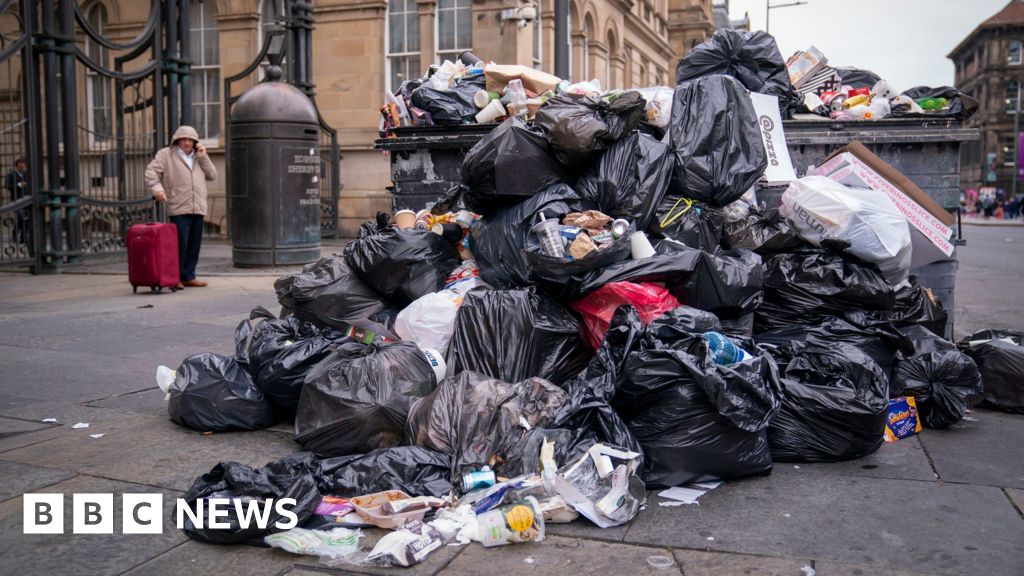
(989, 66)
(362, 47)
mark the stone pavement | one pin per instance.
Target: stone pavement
(83, 348)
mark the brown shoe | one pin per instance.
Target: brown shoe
(194, 283)
(180, 286)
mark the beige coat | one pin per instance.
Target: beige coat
(185, 187)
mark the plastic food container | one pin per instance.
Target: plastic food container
(369, 507)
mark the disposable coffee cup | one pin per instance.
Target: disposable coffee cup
(450, 232)
(639, 246)
(405, 218)
(436, 361)
(481, 99)
(492, 112)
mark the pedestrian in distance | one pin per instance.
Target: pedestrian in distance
(16, 183)
(178, 176)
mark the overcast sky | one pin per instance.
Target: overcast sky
(903, 41)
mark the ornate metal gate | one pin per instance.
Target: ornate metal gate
(88, 113)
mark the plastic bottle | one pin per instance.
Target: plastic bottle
(878, 109)
(724, 350)
(517, 97)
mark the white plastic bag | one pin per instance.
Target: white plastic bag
(876, 231)
(658, 110)
(430, 320)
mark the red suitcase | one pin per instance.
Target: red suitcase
(153, 256)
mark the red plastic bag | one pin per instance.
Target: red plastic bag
(650, 301)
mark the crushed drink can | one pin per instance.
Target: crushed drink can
(477, 479)
(620, 227)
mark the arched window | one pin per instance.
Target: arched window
(454, 28)
(1013, 53)
(612, 50)
(1012, 92)
(98, 91)
(403, 43)
(205, 53)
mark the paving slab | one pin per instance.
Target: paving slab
(17, 478)
(99, 421)
(829, 568)
(12, 427)
(151, 401)
(197, 558)
(982, 450)
(153, 450)
(83, 554)
(697, 563)
(560, 555)
(583, 528)
(904, 460)
(1017, 497)
(437, 559)
(935, 526)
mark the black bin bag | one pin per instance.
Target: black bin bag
(696, 420)
(290, 477)
(716, 141)
(453, 106)
(1001, 362)
(215, 393)
(753, 58)
(943, 380)
(694, 224)
(513, 335)
(914, 305)
(279, 352)
(329, 294)
(835, 389)
(499, 241)
(357, 399)
(402, 265)
(510, 164)
(579, 127)
(811, 284)
(557, 277)
(479, 421)
(765, 232)
(414, 470)
(630, 179)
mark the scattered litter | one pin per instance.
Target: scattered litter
(332, 544)
(145, 306)
(49, 420)
(711, 538)
(529, 560)
(786, 515)
(808, 571)
(660, 562)
(79, 425)
(687, 494)
(96, 435)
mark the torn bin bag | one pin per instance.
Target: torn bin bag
(499, 241)
(753, 58)
(328, 293)
(716, 141)
(943, 380)
(481, 421)
(513, 335)
(579, 127)
(696, 420)
(358, 398)
(279, 352)
(213, 393)
(401, 264)
(630, 179)
(835, 390)
(510, 164)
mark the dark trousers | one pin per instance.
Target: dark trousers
(190, 237)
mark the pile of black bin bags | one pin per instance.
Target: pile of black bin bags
(825, 339)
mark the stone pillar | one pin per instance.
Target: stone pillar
(618, 71)
(428, 18)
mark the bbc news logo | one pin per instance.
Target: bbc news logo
(144, 513)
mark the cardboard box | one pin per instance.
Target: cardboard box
(861, 155)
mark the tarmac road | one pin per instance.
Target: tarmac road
(990, 281)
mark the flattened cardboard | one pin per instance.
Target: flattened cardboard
(906, 185)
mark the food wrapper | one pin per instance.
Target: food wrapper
(901, 419)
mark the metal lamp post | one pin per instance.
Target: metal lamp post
(768, 7)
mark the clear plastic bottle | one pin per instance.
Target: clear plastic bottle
(517, 96)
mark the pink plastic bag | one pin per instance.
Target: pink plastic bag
(597, 308)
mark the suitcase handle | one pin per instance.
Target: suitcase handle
(160, 211)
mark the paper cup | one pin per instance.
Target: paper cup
(436, 361)
(405, 218)
(492, 112)
(639, 246)
(481, 99)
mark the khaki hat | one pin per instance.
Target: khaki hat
(185, 132)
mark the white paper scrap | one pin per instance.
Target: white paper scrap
(49, 420)
(96, 435)
(79, 425)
